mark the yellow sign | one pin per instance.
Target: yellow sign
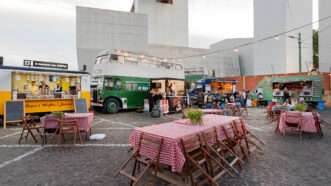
(34, 106)
(228, 87)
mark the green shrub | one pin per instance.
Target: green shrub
(300, 107)
(195, 116)
(58, 114)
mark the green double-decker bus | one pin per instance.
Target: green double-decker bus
(121, 80)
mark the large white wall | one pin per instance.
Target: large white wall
(275, 16)
(325, 36)
(299, 12)
(99, 29)
(223, 63)
(246, 54)
(167, 23)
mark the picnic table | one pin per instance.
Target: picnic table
(307, 122)
(172, 132)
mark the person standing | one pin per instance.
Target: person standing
(287, 96)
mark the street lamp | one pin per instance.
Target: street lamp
(299, 46)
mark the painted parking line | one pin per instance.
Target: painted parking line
(254, 128)
(119, 123)
(10, 135)
(113, 128)
(65, 145)
(18, 158)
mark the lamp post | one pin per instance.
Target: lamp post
(299, 47)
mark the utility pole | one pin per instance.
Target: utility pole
(300, 48)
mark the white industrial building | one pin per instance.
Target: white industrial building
(281, 54)
(153, 28)
(245, 54)
(325, 36)
(99, 29)
(167, 21)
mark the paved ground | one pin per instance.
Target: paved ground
(286, 160)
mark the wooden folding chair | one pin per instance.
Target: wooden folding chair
(221, 151)
(30, 124)
(317, 123)
(234, 144)
(242, 134)
(197, 161)
(293, 122)
(148, 162)
(67, 126)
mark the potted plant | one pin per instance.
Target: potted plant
(195, 116)
(302, 107)
(58, 114)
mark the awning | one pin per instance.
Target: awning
(290, 79)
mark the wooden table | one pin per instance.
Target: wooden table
(172, 132)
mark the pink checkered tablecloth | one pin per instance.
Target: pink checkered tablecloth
(84, 120)
(172, 132)
(307, 122)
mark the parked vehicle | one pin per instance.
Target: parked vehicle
(121, 80)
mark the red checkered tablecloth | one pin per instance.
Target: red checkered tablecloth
(172, 132)
(307, 123)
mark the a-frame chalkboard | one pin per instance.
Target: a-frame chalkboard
(14, 112)
(80, 105)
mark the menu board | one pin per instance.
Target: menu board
(14, 111)
(81, 106)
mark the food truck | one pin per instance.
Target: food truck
(307, 87)
(216, 87)
(44, 86)
(121, 80)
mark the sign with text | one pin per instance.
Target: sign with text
(44, 64)
(56, 105)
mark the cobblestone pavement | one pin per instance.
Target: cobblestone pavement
(286, 159)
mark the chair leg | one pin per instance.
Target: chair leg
(22, 133)
(79, 136)
(134, 171)
(75, 136)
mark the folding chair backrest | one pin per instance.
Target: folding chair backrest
(152, 144)
(239, 127)
(227, 131)
(316, 118)
(190, 143)
(210, 136)
(293, 117)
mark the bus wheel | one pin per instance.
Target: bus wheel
(111, 106)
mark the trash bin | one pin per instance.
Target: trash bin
(320, 105)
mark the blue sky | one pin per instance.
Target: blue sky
(45, 29)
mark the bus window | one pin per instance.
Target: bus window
(102, 59)
(112, 84)
(131, 87)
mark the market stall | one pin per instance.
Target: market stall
(307, 87)
(172, 89)
(43, 89)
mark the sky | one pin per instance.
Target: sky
(45, 29)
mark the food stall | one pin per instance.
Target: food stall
(43, 89)
(307, 87)
(173, 89)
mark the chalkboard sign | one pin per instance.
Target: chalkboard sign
(14, 111)
(80, 106)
